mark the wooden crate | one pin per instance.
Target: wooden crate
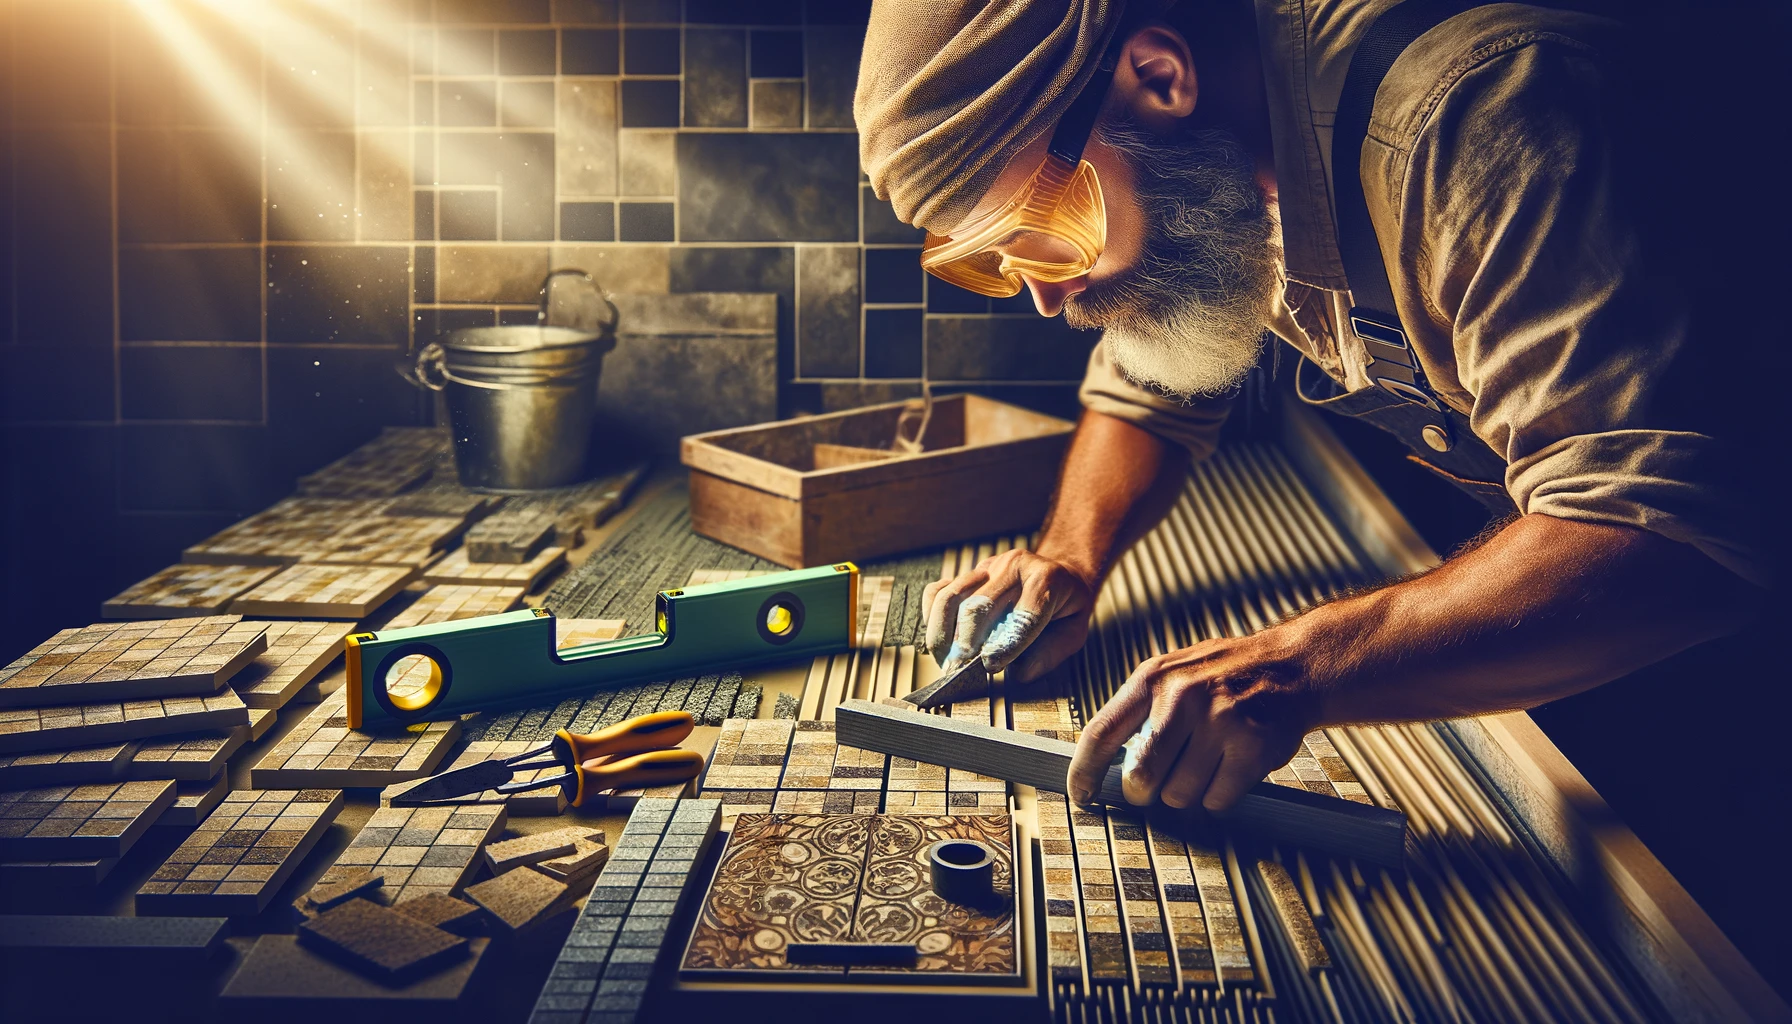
(987, 467)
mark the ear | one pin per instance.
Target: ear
(1155, 80)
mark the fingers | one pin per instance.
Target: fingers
(974, 615)
(1236, 773)
(1059, 641)
(1033, 610)
(1161, 739)
(942, 610)
(1103, 736)
(1193, 773)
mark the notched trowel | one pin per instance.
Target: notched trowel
(968, 682)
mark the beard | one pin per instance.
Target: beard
(1189, 318)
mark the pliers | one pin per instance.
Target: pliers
(595, 763)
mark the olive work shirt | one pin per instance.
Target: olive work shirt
(1488, 173)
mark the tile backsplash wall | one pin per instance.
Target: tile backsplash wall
(230, 219)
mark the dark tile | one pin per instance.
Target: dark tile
(715, 86)
(62, 235)
(828, 315)
(837, 12)
(527, 105)
(757, 269)
(650, 51)
(647, 12)
(745, 12)
(1052, 399)
(423, 104)
(190, 382)
(521, 316)
(470, 104)
(526, 51)
(55, 383)
(1019, 302)
(644, 222)
(1006, 348)
(469, 216)
(324, 401)
(60, 64)
(491, 10)
(585, 12)
(832, 63)
(190, 295)
(526, 166)
(892, 275)
(60, 529)
(466, 51)
(804, 187)
(881, 224)
(949, 298)
(589, 51)
(892, 343)
(836, 396)
(188, 186)
(150, 541)
(777, 54)
(338, 294)
(311, 186)
(649, 104)
(196, 467)
(587, 222)
(424, 208)
(423, 273)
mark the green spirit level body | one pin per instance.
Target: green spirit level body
(399, 676)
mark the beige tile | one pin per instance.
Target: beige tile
(385, 192)
(647, 163)
(490, 273)
(777, 105)
(526, 105)
(639, 269)
(383, 96)
(586, 137)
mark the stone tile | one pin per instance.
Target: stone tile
(650, 51)
(804, 187)
(649, 103)
(949, 298)
(190, 382)
(893, 275)
(179, 185)
(715, 84)
(189, 295)
(638, 12)
(590, 51)
(66, 229)
(469, 104)
(178, 467)
(526, 105)
(467, 158)
(338, 294)
(777, 105)
(385, 206)
(423, 215)
(636, 269)
(492, 10)
(311, 186)
(881, 225)
(893, 343)
(776, 54)
(644, 222)
(526, 51)
(587, 137)
(490, 273)
(648, 163)
(64, 383)
(423, 273)
(852, 395)
(465, 51)
(670, 348)
(585, 12)
(526, 166)
(758, 269)
(468, 216)
(588, 222)
(1004, 348)
(832, 58)
(828, 311)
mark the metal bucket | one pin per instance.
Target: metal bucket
(521, 401)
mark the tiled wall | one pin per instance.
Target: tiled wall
(231, 218)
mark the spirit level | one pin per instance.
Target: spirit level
(509, 660)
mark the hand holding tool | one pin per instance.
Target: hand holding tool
(634, 754)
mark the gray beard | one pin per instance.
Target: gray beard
(1189, 318)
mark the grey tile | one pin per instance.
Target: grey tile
(526, 51)
(1006, 348)
(655, 388)
(423, 273)
(828, 315)
(648, 163)
(60, 383)
(586, 141)
(893, 275)
(852, 395)
(589, 51)
(468, 158)
(650, 51)
(776, 54)
(189, 295)
(423, 211)
(492, 10)
(466, 51)
(585, 12)
(832, 60)
(837, 12)
(804, 187)
(183, 467)
(62, 237)
(423, 104)
(949, 298)
(881, 224)
(893, 343)
(468, 216)
(638, 12)
(527, 105)
(190, 382)
(526, 164)
(715, 86)
(644, 222)
(649, 103)
(777, 105)
(467, 104)
(356, 295)
(311, 186)
(490, 273)
(745, 12)
(587, 222)
(324, 401)
(385, 185)
(188, 186)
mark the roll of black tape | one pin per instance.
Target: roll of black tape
(963, 871)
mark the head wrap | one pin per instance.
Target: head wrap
(950, 90)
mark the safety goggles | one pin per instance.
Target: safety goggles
(1052, 229)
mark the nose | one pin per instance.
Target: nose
(1049, 296)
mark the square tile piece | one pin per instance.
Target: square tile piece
(78, 725)
(61, 767)
(280, 534)
(241, 854)
(129, 660)
(380, 942)
(417, 851)
(323, 751)
(519, 898)
(313, 591)
(447, 602)
(78, 822)
(297, 652)
(185, 589)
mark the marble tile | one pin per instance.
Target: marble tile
(648, 163)
(715, 82)
(587, 137)
(804, 187)
(777, 105)
(828, 311)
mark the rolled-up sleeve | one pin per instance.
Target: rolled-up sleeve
(1194, 425)
(1579, 361)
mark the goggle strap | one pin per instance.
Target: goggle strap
(1078, 122)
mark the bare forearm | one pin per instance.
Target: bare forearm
(1118, 481)
(1546, 608)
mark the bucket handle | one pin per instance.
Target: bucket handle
(430, 370)
(541, 314)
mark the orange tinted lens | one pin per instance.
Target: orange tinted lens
(1053, 230)
(981, 273)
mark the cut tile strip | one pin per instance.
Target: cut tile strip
(531, 849)
(1181, 898)
(323, 751)
(64, 767)
(362, 882)
(171, 941)
(1291, 911)
(456, 567)
(588, 856)
(1063, 936)
(240, 856)
(27, 729)
(185, 589)
(1136, 888)
(132, 660)
(420, 850)
(194, 800)
(380, 942)
(324, 591)
(78, 822)
(296, 653)
(447, 602)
